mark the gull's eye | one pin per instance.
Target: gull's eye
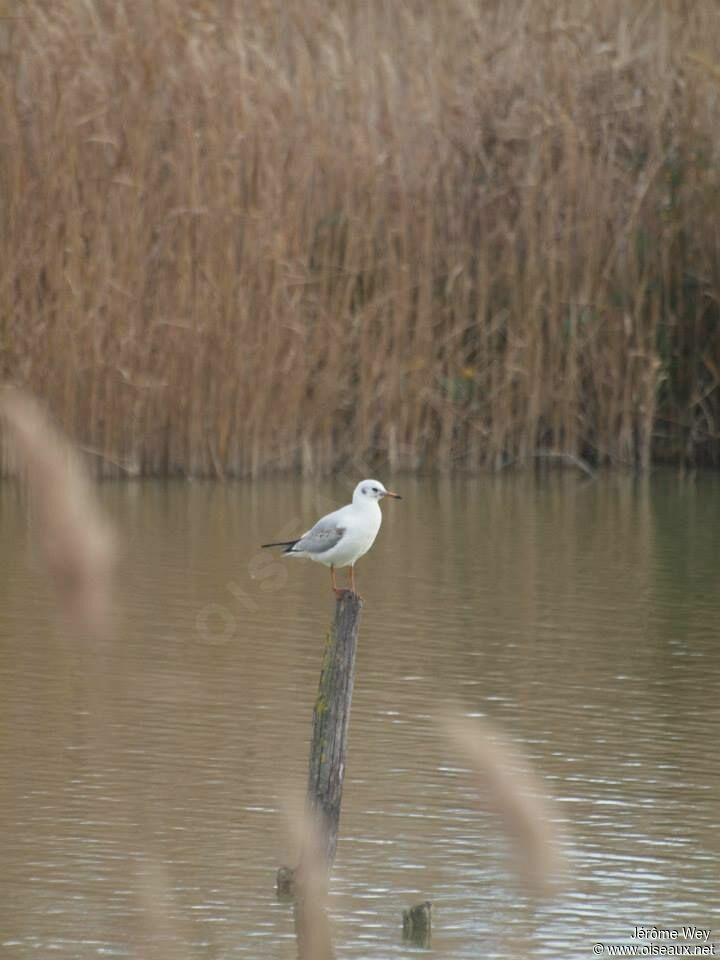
(375, 490)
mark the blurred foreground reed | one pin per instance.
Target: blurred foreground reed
(241, 237)
(507, 785)
(75, 540)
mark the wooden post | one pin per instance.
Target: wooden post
(331, 719)
(307, 883)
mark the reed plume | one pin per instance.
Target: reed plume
(75, 540)
(508, 786)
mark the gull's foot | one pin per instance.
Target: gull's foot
(341, 592)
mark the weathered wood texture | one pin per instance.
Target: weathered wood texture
(331, 718)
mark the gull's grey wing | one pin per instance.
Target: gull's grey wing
(325, 535)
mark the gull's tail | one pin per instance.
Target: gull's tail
(288, 544)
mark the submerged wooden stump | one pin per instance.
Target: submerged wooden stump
(285, 883)
(417, 924)
(331, 719)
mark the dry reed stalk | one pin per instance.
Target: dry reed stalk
(312, 926)
(76, 541)
(163, 936)
(245, 237)
(508, 785)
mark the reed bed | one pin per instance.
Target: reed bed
(250, 236)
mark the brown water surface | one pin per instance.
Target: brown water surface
(142, 778)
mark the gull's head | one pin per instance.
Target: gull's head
(368, 490)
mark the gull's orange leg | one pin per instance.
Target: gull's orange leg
(352, 578)
(338, 591)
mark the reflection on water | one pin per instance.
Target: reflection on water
(142, 779)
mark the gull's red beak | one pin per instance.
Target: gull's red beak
(395, 496)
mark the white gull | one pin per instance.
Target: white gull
(343, 536)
